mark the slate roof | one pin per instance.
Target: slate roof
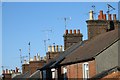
(25, 75)
(36, 74)
(61, 56)
(92, 48)
(106, 72)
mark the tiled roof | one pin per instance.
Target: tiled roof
(92, 48)
(105, 73)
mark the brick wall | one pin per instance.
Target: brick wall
(76, 70)
(34, 65)
(25, 68)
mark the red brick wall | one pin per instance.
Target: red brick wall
(25, 68)
(76, 71)
(34, 65)
(92, 69)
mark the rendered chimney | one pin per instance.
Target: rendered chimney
(70, 31)
(74, 31)
(109, 17)
(91, 15)
(78, 32)
(49, 48)
(66, 32)
(56, 48)
(104, 16)
(61, 48)
(35, 59)
(53, 48)
(101, 14)
(114, 17)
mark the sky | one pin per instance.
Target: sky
(34, 22)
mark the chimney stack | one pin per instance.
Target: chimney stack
(66, 32)
(53, 48)
(70, 31)
(61, 48)
(74, 31)
(114, 17)
(49, 48)
(109, 17)
(57, 48)
(35, 59)
(91, 15)
(104, 16)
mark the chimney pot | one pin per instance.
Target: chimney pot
(3, 72)
(78, 31)
(53, 48)
(6, 71)
(74, 31)
(35, 59)
(109, 17)
(9, 71)
(17, 70)
(56, 48)
(13, 71)
(70, 31)
(114, 17)
(66, 32)
(61, 48)
(98, 17)
(49, 48)
(104, 16)
(25, 62)
(91, 15)
(101, 14)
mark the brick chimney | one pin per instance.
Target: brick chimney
(72, 38)
(34, 65)
(102, 25)
(25, 67)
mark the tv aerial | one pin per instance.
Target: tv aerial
(110, 8)
(94, 12)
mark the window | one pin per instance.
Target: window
(85, 71)
(65, 73)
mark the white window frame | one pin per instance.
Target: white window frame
(65, 73)
(85, 67)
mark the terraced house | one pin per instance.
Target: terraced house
(94, 58)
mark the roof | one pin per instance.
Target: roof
(25, 75)
(36, 74)
(106, 73)
(92, 48)
(62, 55)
